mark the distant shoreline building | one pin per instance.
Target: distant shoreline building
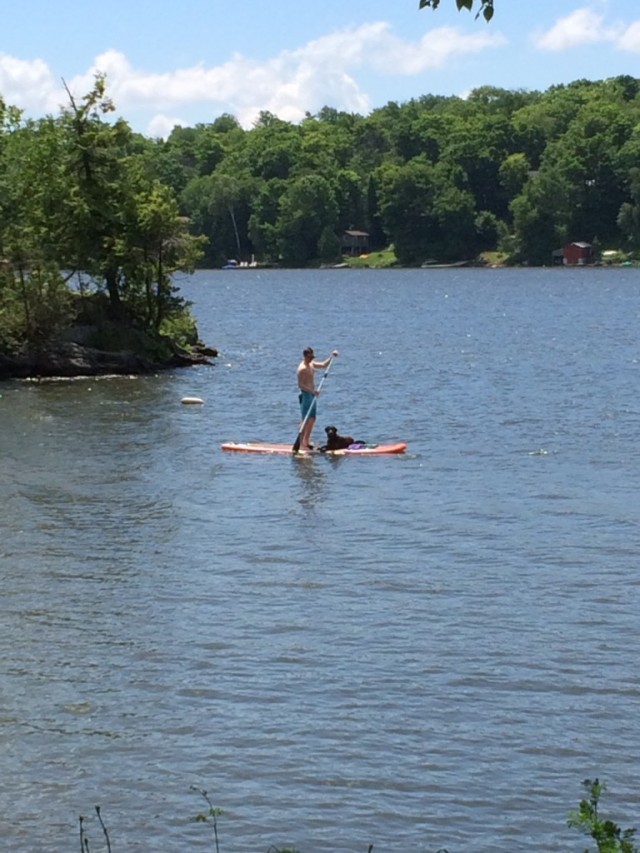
(577, 254)
(355, 243)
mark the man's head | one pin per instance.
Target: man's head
(308, 354)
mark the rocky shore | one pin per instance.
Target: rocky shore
(71, 359)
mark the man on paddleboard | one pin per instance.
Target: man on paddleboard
(308, 393)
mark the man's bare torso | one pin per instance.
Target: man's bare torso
(306, 376)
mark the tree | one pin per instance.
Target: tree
(426, 214)
(263, 222)
(371, 144)
(514, 173)
(98, 189)
(34, 230)
(478, 146)
(486, 6)
(351, 200)
(587, 156)
(373, 220)
(219, 209)
(629, 216)
(77, 194)
(155, 244)
(327, 143)
(541, 216)
(307, 207)
(272, 149)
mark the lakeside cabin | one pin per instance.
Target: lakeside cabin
(355, 243)
(576, 254)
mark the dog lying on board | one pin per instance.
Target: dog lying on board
(335, 441)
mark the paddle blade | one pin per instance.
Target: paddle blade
(296, 444)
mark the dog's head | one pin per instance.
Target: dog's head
(331, 431)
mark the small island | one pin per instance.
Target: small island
(90, 242)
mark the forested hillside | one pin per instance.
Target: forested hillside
(437, 178)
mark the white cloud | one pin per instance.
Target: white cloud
(630, 38)
(323, 71)
(582, 27)
(586, 27)
(433, 50)
(25, 84)
(161, 126)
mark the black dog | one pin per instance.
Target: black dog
(336, 441)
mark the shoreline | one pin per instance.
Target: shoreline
(72, 361)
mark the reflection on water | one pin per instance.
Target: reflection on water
(313, 481)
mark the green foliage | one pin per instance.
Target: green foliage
(577, 144)
(218, 205)
(35, 307)
(307, 207)
(513, 173)
(609, 837)
(487, 229)
(210, 816)
(540, 218)
(79, 194)
(328, 245)
(440, 178)
(486, 6)
(180, 326)
(427, 215)
(375, 260)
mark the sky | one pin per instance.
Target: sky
(184, 62)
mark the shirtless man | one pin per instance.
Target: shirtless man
(308, 393)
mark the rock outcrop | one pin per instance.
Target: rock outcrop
(69, 359)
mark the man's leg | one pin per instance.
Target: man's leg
(305, 438)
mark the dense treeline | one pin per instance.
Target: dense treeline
(88, 234)
(438, 178)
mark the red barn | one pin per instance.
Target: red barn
(577, 254)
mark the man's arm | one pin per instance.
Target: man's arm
(320, 365)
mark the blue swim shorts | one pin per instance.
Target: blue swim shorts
(307, 404)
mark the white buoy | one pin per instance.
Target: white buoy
(192, 401)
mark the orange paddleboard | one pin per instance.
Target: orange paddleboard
(356, 450)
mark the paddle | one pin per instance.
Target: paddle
(296, 443)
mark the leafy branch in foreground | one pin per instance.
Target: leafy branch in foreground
(212, 814)
(486, 6)
(609, 837)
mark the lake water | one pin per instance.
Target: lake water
(416, 652)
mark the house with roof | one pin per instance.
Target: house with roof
(355, 242)
(576, 254)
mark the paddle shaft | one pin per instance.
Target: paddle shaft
(296, 443)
